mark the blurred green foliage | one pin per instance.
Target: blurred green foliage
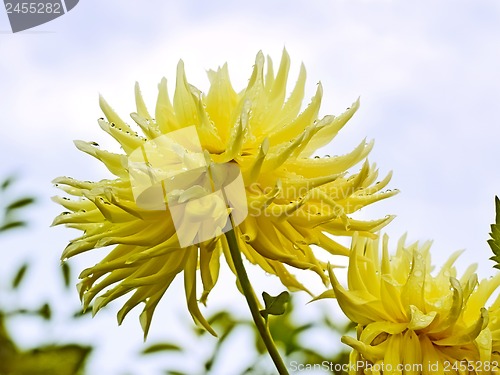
(287, 333)
(10, 215)
(48, 359)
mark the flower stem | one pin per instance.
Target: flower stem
(253, 303)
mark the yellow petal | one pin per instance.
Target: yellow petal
(326, 134)
(190, 287)
(164, 112)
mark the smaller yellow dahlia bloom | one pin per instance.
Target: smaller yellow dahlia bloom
(165, 210)
(412, 321)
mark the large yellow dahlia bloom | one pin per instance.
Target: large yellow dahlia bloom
(415, 321)
(286, 199)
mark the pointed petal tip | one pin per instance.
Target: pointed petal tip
(103, 104)
(285, 55)
(326, 294)
(390, 218)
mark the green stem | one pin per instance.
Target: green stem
(253, 303)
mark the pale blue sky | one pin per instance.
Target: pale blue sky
(426, 71)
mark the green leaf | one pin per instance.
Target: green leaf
(210, 362)
(66, 273)
(21, 272)
(20, 203)
(12, 225)
(80, 313)
(8, 348)
(53, 360)
(274, 305)
(6, 183)
(494, 241)
(45, 311)
(162, 347)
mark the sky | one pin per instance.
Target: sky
(426, 73)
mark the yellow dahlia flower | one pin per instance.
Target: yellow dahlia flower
(169, 203)
(412, 321)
